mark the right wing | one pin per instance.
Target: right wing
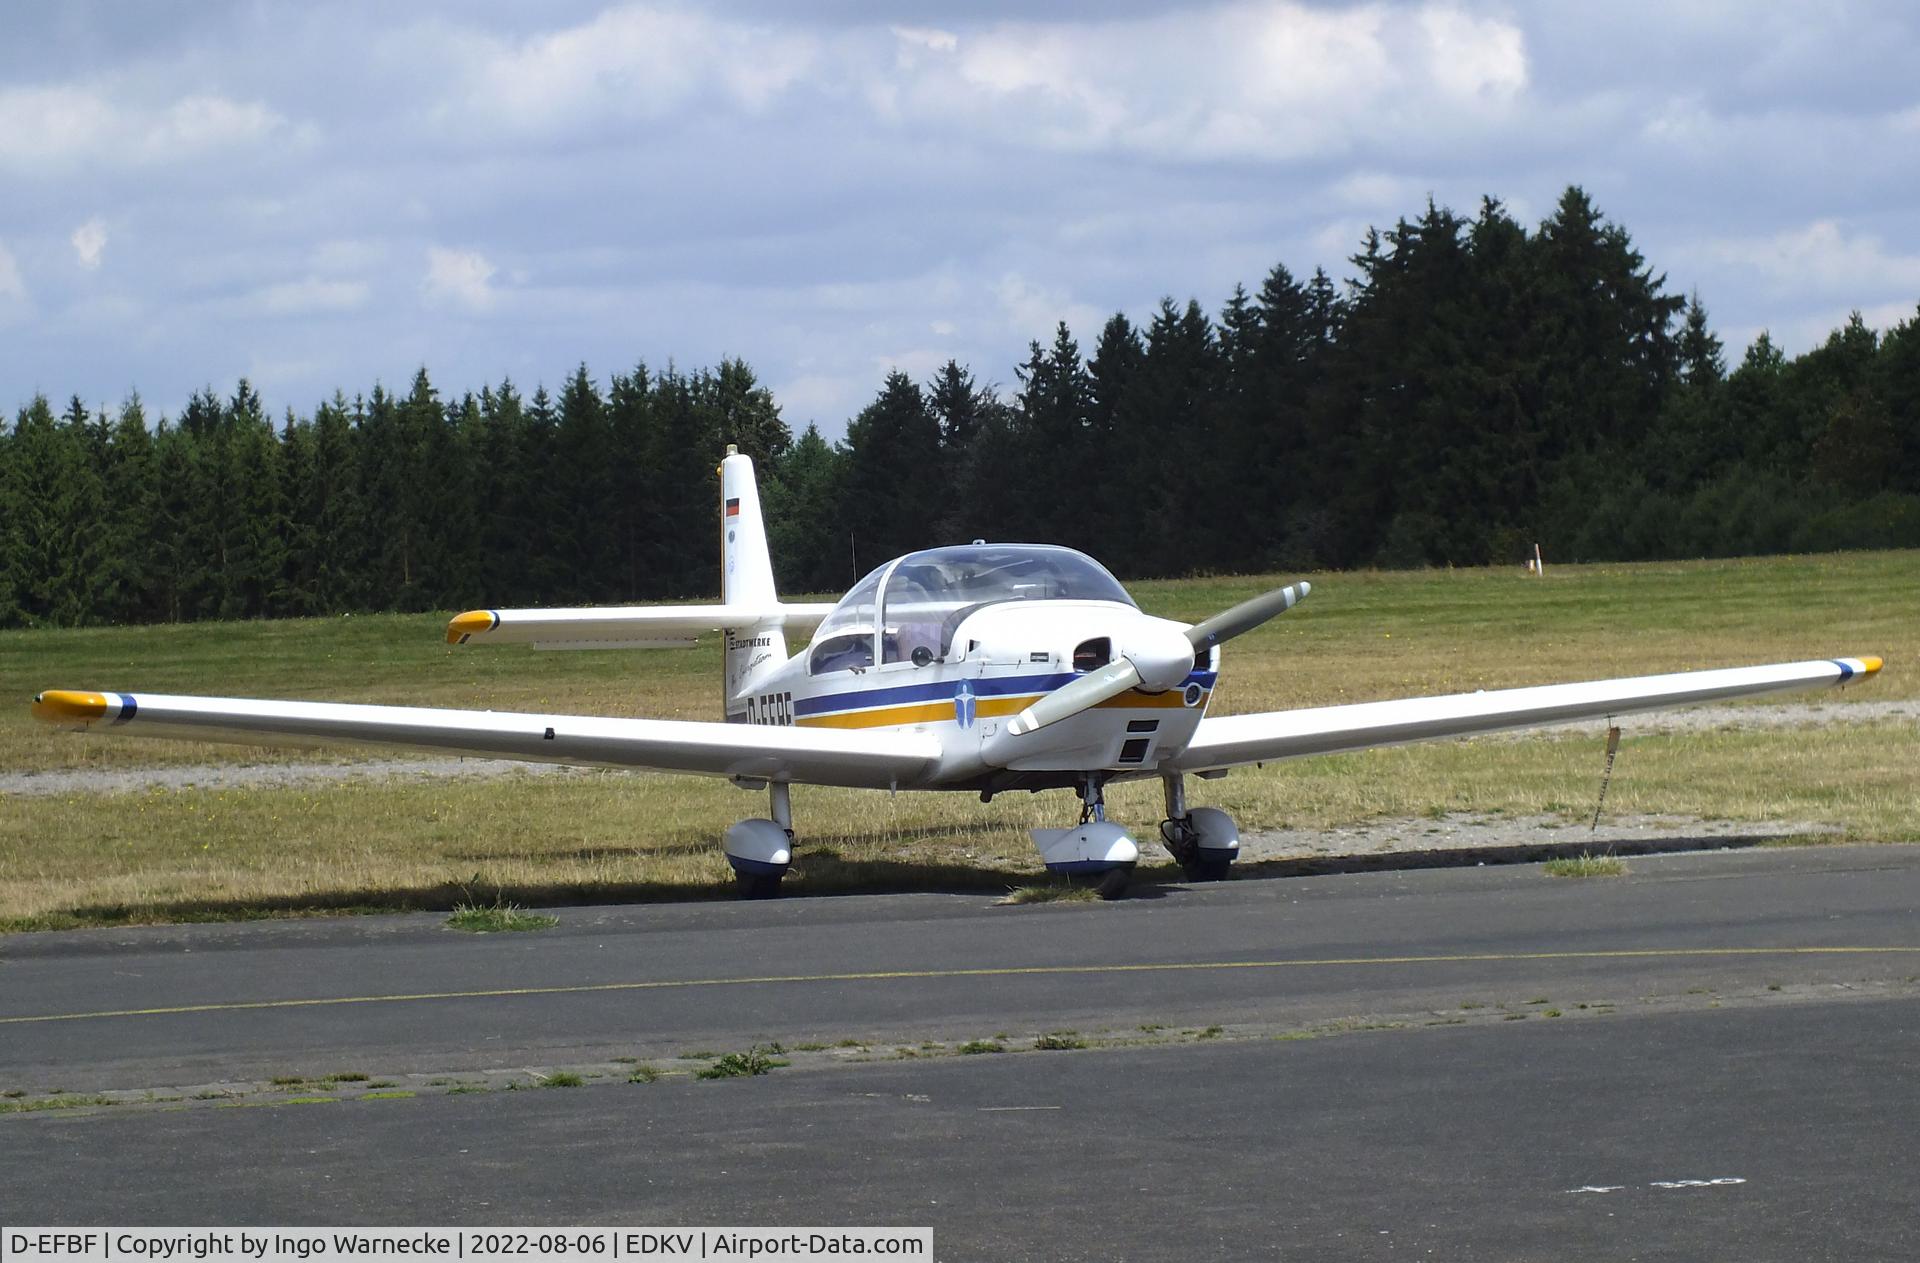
(620, 626)
(1290, 734)
(814, 756)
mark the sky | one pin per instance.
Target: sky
(322, 195)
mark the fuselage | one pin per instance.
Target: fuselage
(955, 642)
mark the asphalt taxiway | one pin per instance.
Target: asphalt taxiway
(1712, 1056)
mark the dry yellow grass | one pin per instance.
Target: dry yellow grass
(90, 858)
(166, 855)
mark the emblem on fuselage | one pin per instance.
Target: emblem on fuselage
(963, 705)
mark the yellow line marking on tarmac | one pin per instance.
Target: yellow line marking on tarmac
(1006, 971)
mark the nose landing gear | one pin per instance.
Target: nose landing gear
(1098, 851)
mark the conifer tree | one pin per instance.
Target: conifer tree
(806, 529)
(892, 448)
(125, 584)
(745, 412)
(11, 508)
(583, 466)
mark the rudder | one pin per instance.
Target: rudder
(746, 579)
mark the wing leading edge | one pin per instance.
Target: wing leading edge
(817, 756)
(1291, 734)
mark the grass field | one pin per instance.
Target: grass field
(88, 858)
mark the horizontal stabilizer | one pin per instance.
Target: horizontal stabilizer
(620, 626)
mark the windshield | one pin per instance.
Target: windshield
(844, 641)
(929, 593)
(922, 598)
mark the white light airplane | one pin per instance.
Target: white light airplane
(982, 667)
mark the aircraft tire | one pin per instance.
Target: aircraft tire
(1202, 868)
(758, 885)
(1114, 882)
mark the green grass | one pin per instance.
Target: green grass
(975, 1047)
(62, 1102)
(87, 858)
(562, 1079)
(754, 1061)
(1054, 1041)
(498, 918)
(1584, 866)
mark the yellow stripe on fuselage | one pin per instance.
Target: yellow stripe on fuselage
(984, 708)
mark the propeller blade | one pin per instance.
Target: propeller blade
(1167, 663)
(1247, 615)
(1089, 690)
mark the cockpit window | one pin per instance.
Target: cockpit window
(842, 653)
(927, 594)
(837, 645)
(917, 602)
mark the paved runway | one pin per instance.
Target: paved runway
(1484, 1041)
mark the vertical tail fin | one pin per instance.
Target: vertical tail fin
(746, 568)
(746, 578)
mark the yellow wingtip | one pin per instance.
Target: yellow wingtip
(471, 623)
(61, 706)
(1870, 665)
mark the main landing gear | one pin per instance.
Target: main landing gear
(761, 851)
(1204, 841)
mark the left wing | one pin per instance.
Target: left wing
(1291, 734)
(815, 756)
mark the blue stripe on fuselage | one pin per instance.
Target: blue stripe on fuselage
(940, 691)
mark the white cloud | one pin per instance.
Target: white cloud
(90, 243)
(1473, 58)
(197, 123)
(463, 277)
(1032, 310)
(825, 398)
(1256, 80)
(1823, 255)
(64, 126)
(634, 61)
(348, 256)
(920, 363)
(14, 300)
(926, 37)
(12, 285)
(313, 294)
(1376, 190)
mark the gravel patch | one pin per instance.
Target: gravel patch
(1499, 834)
(1756, 717)
(134, 780)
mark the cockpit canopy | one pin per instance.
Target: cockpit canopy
(913, 604)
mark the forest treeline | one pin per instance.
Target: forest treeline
(1474, 387)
